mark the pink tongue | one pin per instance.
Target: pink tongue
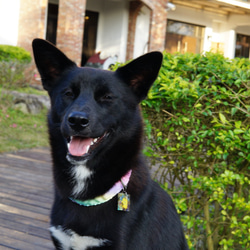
(79, 146)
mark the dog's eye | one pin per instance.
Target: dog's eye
(69, 93)
(107, 97)
(103, 95)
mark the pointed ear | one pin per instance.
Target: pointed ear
(141, 73)
(50, 62)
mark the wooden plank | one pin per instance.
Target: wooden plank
(19, 240)
(26, 196)
(25, 206)
(19, 157)
(15, 210)
(24, 165)
(31, 199)
(25, 224)
(36, 154)
(28, 188)
(27, 192)
(2, 247)
(23, 177)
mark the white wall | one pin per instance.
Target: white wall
(230, 42)
(237, 21)
(142, 32)
(245, 30)
(9, 16)
(112, 27)
(218, 28)
(191, 15)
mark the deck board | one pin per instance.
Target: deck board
(26, 195)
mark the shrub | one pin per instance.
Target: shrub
(197, 118)
(13, 64)
(12, 53)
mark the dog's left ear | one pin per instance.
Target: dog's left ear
(141, 73)
(50, 62)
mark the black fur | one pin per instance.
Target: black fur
(88, 102)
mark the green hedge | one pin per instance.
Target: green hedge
(197, 118)
(14, 62)
(13, 53)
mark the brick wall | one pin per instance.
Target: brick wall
(134, 9)
(31, 22)
(158, 24)
(157, 27)
(70, 28)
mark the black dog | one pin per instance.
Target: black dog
(104, 197)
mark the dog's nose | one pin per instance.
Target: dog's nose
(78, 120)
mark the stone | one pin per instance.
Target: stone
(29, 103)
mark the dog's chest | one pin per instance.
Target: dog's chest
(80, 175)
(68, 239)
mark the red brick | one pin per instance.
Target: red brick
(32, 24)
(70, 28)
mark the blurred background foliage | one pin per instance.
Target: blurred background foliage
(197, 119)
(14, 66)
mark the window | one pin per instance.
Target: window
(242, 46)
(52, 22)
(184, 37)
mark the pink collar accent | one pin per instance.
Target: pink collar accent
(117, 188)
(119, 185)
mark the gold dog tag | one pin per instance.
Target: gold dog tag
(123, 202)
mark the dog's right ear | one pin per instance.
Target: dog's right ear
(141, 73)
(50, 62)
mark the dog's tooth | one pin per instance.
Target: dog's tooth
(70, 139)
(92, 143)
(95, 140)
(87, 149)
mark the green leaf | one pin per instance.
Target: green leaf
(190, 224)
(223, 118)
(246, 218)
(159, 134)
(198, 105)
(233, 111)
(238, 131)
(223, 212)
(185, 119)
(238, 124)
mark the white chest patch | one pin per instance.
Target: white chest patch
(80, 175)
(71, 240)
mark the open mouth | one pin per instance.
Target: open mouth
(80, 147)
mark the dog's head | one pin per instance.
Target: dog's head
(90, 106)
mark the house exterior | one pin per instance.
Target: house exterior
(80, 28)
(217, 25)
(125, 29)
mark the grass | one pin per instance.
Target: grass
(27, 90)
(19, 130)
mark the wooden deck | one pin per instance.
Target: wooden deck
(26, 193)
